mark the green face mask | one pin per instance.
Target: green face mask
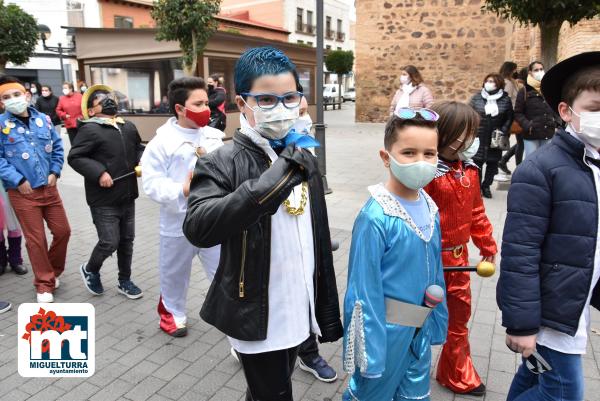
(413, 175)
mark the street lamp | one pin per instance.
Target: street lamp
(45, 33)
(320, 125)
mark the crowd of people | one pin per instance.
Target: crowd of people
(254, 212)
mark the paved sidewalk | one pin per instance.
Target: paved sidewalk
(136, 361)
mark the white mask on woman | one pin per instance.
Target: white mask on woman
(404, 79)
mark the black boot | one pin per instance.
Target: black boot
(3, 257)
(14, 255)
(503, 168)
(486, 192)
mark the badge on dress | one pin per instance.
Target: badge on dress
(39, 122)
(20, 130)
(48, 148)
(11, 139)
(25, 155)
(6, 130)
(10, 124)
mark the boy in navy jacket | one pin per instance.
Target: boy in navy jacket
(550, 252)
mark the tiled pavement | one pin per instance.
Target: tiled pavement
(135, 361)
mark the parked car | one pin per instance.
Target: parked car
(330, 93)
(350, 94)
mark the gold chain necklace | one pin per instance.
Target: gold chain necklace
(297, 211)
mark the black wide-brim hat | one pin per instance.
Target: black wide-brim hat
(554, 80)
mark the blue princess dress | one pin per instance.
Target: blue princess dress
(391, 260)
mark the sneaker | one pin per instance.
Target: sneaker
(91, 280)
(234, 355)
(180, 332)
(45, 297)
(56, 283)
(19, 269)
(130, 290)
(504, 169)
(319, 369)
(5, 307)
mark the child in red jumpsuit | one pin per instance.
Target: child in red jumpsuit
(456, 192)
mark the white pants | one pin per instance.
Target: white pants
(175, 266)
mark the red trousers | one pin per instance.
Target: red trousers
(44, 204)
(455, 369)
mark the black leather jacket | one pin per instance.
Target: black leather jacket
(233, 194)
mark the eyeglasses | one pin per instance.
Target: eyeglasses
(407, 113)
(268, 101)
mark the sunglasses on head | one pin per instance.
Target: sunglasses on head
(407, 113)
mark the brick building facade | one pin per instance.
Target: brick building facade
(452, 42)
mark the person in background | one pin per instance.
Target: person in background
(35, 90)
(69, 109)
(508, 71)
(538, 121)
(413, 93)
(82, 87)
(550, 267)
(216, 101)
(105, 152)
(31, 160)
(47, 104)
(496, 114)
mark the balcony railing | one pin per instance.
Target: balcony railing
(341, 36)
(330, 34)
(307, 29)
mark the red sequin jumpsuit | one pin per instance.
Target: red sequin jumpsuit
(462, 216)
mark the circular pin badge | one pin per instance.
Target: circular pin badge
(10, 124)
(48, 148)
(48, 118)
(6, 130)
(20, 130)
(39, 122)
(25, 155)
(11, 139)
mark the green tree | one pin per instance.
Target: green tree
(18, 35)
(549, 15)
(190, 22)
(340, 62)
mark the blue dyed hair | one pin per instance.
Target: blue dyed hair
(259, 61)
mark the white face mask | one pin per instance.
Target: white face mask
(469, 152)
(538, 75)
(413, 175)
(404, 79)
(307, 121)
(275, 123)
(489, 86)
(83, 88)
(589, 127)
(33, 90)
(16, 105)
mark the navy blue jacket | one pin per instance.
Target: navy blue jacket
(549, 240)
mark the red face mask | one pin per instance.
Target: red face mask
(200, 118)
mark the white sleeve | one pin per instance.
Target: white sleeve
(156, 182)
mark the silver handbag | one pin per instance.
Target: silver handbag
(499, 140)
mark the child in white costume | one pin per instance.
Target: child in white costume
(167, 164)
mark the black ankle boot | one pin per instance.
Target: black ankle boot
(14, 255)
(3, 257)
(486, 192)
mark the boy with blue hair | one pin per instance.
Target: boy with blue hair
(262, 199)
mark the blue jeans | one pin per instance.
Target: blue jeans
(531, 145)
(563, 383)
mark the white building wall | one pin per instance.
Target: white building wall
(54, 14)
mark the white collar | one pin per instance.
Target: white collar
(392, 207)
